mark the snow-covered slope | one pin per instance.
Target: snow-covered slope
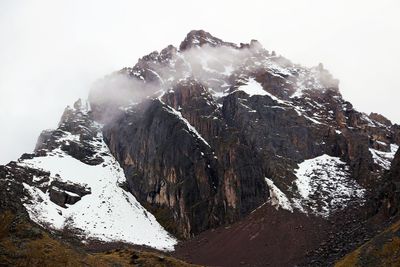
(108, 213)
(323, 186)
(253, 88)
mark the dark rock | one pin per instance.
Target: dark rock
(381, 119)
(27, 156)
(63, 193)
(62, 198)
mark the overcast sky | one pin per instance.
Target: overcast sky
(51, 51)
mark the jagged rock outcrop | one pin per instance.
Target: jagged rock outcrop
(199, 38)
(74, 135)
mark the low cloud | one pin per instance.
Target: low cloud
(210, 66)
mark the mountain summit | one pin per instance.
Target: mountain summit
(213, 143)
(200, 38)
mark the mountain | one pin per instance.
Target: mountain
(214, 153)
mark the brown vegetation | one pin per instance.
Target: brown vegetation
(24, 244)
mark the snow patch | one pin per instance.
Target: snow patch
(253, 88)
(277, 198)
(324, 185)
(384, 159)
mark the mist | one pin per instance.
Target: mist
(160, 72)
(53, 51)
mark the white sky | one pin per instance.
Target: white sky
(51, 51)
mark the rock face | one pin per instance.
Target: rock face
(198, 186)
(197, 151)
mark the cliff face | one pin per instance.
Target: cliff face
(220, 118)
(171, 166)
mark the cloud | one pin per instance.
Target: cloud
(160, 72)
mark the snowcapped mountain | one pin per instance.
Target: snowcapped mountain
(213, 135)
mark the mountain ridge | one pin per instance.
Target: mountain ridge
(209, 134)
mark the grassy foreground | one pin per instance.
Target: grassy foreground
(24, 244)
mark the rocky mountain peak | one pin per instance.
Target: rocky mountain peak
(198, 38)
